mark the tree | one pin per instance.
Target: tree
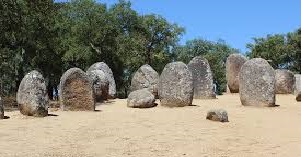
(282, 50)
(26, 32)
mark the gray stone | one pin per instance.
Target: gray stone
(284, 81)
(142, 98)
(1, 109)
(217, 115)
(298, 96)
(175, 85)
(145, 77)
(202, 78)
(109, 73)
(233, 65)
(100, 84)
(32, 96)
(297, 86)
(257, 83)
(76, 91)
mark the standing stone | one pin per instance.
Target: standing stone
(32, 96)
(76, 91)
(1, 109)
(145, 77)
(175, 85)
(141, 98)
(109, 73)
(257, 83)
(297, 86)
(233, 66)
(284, 81)
(100, 84)
(202, 78)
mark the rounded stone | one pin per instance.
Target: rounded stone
(234, 63)
(202, 78)
(284, 81)
(145, 77)
(32, 96)
(217, 115)
(175, 85)
(142, 98)
(109, 73)
(257, 83)
(100, 84)
(76, 91)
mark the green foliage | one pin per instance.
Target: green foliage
(282, 50)
(53, 37)
(215, 52)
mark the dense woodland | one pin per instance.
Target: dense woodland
(53, 37)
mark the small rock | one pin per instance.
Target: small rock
(217, 115)
(142, 98)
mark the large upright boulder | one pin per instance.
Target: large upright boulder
(234, 63)
(297, 86)
(202, 78)
(175, 85)
(1, 109)
(100, 84)
(76, 91)
(32, 96)
(257, 83)
(109, 73)
(145, 77)
(284, 81)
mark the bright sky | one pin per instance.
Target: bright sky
(235, 21)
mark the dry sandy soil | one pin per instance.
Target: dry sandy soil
(115, 130)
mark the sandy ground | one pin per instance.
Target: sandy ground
(115, 130)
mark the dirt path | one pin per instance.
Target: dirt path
(115, 130)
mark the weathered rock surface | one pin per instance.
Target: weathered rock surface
(141, 98)
(298, 96)
(297, 83)
(234, 63)
(217, 115)
(257, 83)
(100, 84)
(297, 86)
(284, 81)
(145, 77)
(32, 96)
(1, 109)
(109, 73)
(202, 78)
(175, 85)
(76, 91)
